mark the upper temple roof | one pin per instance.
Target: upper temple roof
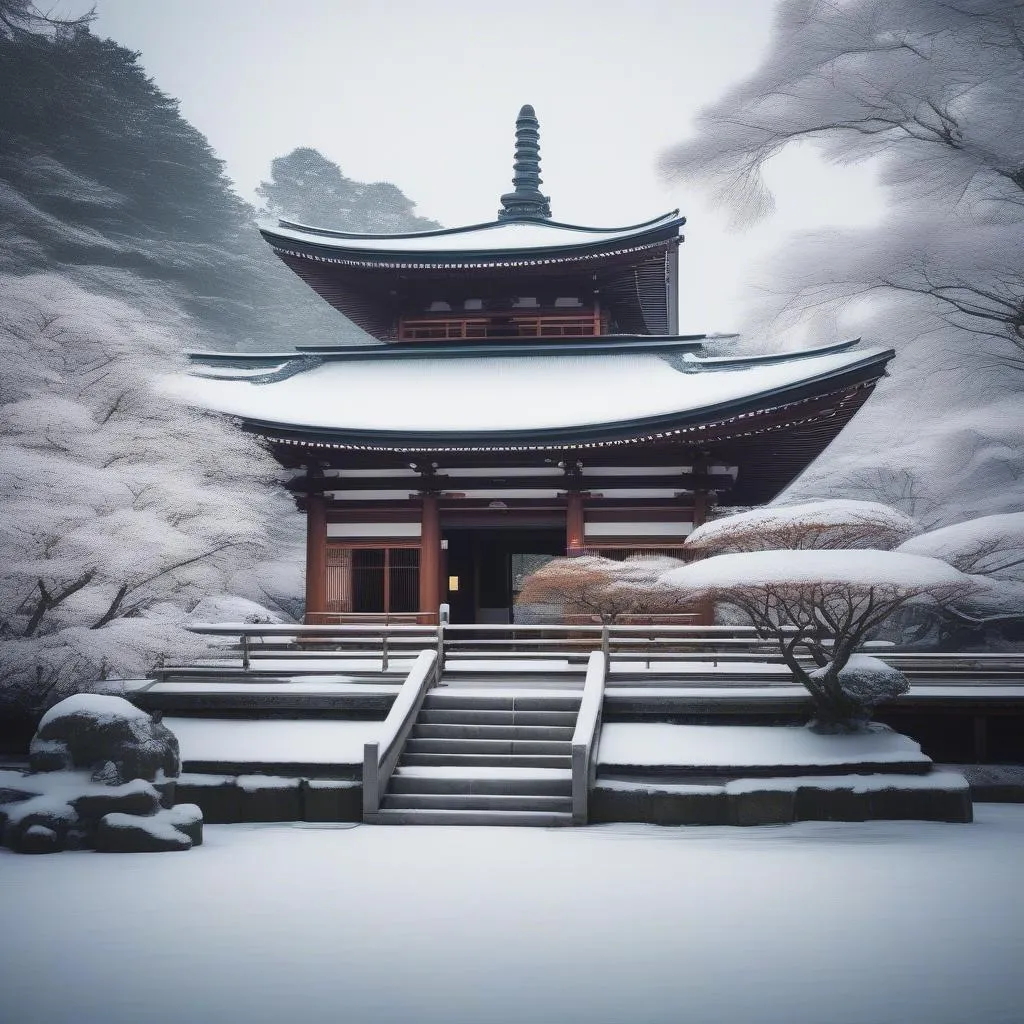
(471, 244)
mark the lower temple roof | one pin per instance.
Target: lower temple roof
(559, 398)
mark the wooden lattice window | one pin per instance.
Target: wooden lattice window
(373, 579)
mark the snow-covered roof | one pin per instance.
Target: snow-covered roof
(513, 395)
(498, 236)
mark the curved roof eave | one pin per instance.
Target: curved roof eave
(663, 425)
(478, 242)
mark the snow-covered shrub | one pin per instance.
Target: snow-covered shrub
(827, 523)
(821, 606)
(605, 587)
(120, 509)
(991, 550)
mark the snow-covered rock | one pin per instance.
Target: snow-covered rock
(132, 833)
(101, 769)
(108, 736)
(868, 680)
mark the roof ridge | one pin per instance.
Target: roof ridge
(283, 222)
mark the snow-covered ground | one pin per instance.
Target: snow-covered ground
(871, 923)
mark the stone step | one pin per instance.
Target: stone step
(457, 716)
(446, 731)
(478, 802)
(424, 816)
(452, 698)
(450, 745)
(495, 780)
(487, 760)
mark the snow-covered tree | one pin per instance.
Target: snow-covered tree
(119, 509)
(603, 587)
(936, 91)
(820, 606)
(828, 523)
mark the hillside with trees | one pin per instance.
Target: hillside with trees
(124, 513)
(103, 179)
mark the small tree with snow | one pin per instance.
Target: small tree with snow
(820, 607)
(605, 587)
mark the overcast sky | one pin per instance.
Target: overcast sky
(424, 93)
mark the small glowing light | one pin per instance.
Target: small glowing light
(453, 584)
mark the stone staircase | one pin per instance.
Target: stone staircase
(486, 759)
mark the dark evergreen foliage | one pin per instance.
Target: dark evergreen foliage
(306, 187)
(103, 180)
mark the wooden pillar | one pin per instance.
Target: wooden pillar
(316, 555)
(700, 493)
(706, 609)
(430, 557)
(575, 529)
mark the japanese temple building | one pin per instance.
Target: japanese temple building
(530, 396)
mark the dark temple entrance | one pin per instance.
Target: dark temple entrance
(485, 568)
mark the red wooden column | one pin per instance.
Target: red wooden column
(706, 609)
(430, 558)
(574, 522)
(316, 555)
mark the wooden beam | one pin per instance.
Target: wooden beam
(674, 481)
(316, 554)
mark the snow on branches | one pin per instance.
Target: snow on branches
(119, 510)
(936, 92)
(821, 605)
(816, 524)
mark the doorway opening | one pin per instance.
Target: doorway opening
(485, 569)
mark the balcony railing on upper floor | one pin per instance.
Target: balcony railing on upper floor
(537, 325)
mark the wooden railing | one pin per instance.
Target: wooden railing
(506, 325)
(256, 651)
(371, 618)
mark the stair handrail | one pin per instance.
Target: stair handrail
(586, 737)
(381, 755)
